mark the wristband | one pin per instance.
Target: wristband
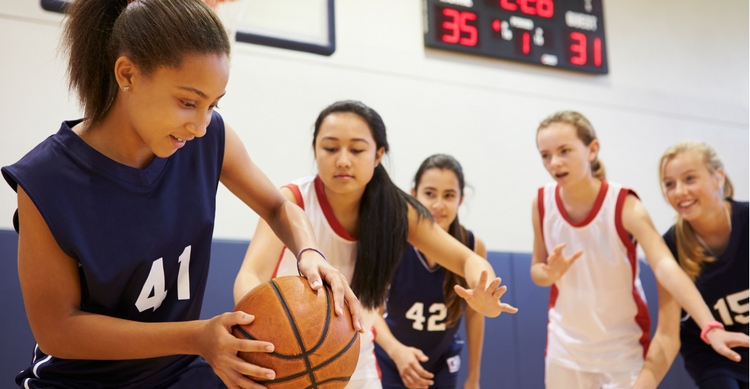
(709, 326)
(299, 254)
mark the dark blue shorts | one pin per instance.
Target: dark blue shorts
(722, 382)
(445, 369)
(198, 374)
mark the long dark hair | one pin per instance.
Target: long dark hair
(151, 33)
(383, 216)
(456, 305)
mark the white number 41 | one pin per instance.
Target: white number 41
(153, 292)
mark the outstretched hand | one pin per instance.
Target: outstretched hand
(557, 264)
(485, 299)
(315, 268)
(723, 342)
(219, 348)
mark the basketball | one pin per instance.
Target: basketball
(314, 348)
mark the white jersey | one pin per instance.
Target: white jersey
(598, 319)
(341, 251)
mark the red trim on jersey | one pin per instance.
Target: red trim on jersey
(553, 290)
(328, 211)
(297, 195)
(592, 214)
(641, 317)
(374, 335)
(540, 205)
(278, 263)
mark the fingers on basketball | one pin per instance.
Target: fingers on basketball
(312, 344)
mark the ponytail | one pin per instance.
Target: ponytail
(383, 230)
(383, 216)
(584, 131)
(86, 38)
(151, 33)
(690, 252)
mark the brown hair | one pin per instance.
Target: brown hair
(584, 131)
(690, 252)
(151, 33)
(455, 304)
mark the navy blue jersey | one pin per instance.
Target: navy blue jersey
(416, 310)
(724, 287)
(141, 237)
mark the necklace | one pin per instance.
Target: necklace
(705, 246)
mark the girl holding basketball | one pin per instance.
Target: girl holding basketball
(363, 222)
(116, 210)
(417, 341)
(710, 242)
(585, 234)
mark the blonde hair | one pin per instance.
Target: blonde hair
(584, 131)
(690, 252)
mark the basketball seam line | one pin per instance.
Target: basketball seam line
(323, 364)
(295, 329)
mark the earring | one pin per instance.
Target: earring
(126, 88)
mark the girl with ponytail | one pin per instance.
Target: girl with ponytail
(710, 242)
(586, 231)
(412, 352)
(116, 210)
(363, 223)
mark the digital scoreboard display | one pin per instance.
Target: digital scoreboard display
(566, 34)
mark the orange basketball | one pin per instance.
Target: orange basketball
(314, 348)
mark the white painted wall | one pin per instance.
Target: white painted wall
(678, 70)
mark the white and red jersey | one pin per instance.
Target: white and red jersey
(598, 319)
(341, 251)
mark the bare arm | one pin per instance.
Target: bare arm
(474, 335)
(546, 270)
(261, 257)
(52, 293)
(286, 220)
(438, 245)
(664, 346)
(636, 221)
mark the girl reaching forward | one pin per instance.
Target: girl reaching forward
(585, 235)
(417, 344)
(710, 242)
(363, 222)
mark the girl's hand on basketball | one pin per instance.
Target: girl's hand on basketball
(219, 348)
(557, 264)
(723, 342)
(485, 299)
(407, 360)
(314, 267)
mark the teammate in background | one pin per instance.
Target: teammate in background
(116, 210)
(710, 242)
(364, 222)
(585, 234)
(417, 342)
